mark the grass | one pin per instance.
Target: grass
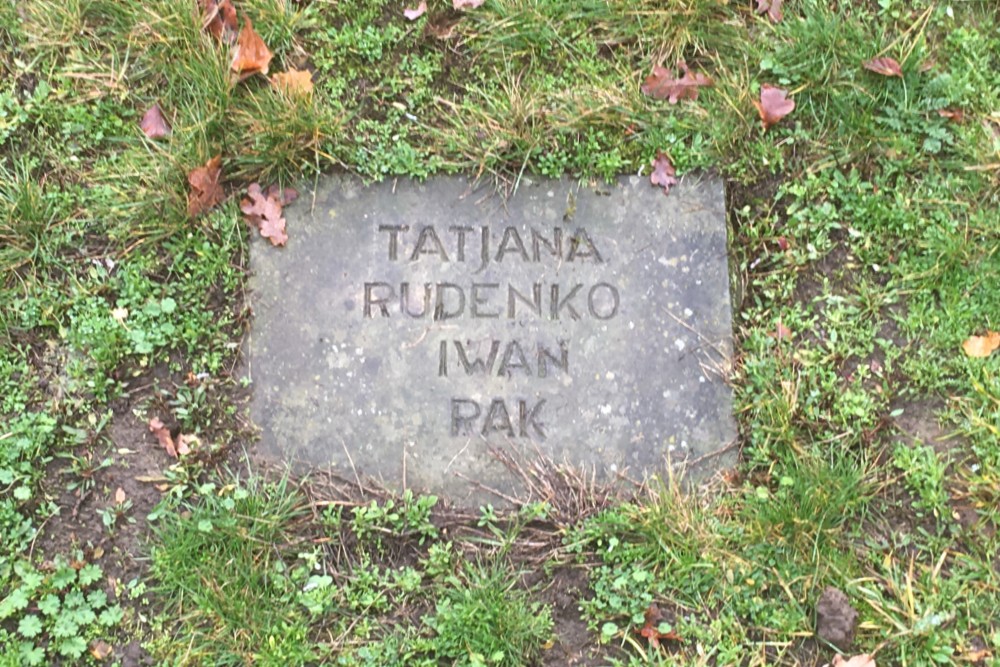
(864, 228)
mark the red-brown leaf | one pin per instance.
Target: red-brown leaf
(219, 19)
(651, 631)
(956, 115)
(162, 434)
(251, 54)
(772, 7)
(205, 191)
(662, 85)
(263, 211)
(153, 124)
(773, 105)
(663, 172)
(466, 4)
(884, 66)
(414, 14)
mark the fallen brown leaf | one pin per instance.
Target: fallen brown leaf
(162, 434)
(466, 4)
(417, 12)
(153, 124)
(863, 660)
(773, 105)
(219, 20)
(956, 115)
(293, 82)
(650, 630)
(884, 66)
(663, 172)
(662, 85)
(251, 54)
(120, 495)
(982, 346)
(772, 7)
(100, 649)
(205, 191)
(263, 211)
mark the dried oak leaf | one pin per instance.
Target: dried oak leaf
(294, 83)
(205, 191)
(466, 4)
(263, 211)
(663, 174)
(982, 346)
(153, 124)
(100, 649)
(662, 85)
(219, 20)
(251, 54)
(772, 7)
(651, 630)
(884, 66)
(773, 105)
(414, 14)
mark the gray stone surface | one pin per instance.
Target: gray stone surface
(594, 329)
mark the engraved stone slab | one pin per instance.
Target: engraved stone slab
(408, 328)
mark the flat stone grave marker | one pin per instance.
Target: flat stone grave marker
(408, 328)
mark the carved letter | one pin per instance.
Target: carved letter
(556, 305)
(609, 312)
(478, 365)
(535, 304)
(526, 417)
(394, 231)
(372, 300)
(579, 239)
(544, 356)
(554, 248)
(427, 232)
(478, 300)
(440, 312)
(513, 347)
(404, 300)
(510, 234)
(463, 424)
(460, 231)
(497, 419)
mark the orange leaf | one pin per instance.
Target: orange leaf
(982, 346)
(153, 124)
(884, 66)
(662, 86)
(205, 191)
(219, 19)
(663, 172)
(414, 14)
(251, 54)
(772, 7)
(263, 211)
(773, 105)
(100, 649)
(294, 82)
(162, 434)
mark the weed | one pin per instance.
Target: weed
(57, 612)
